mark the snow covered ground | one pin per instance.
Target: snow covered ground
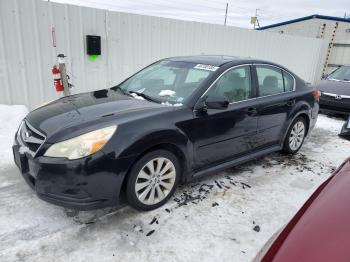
(225, 217)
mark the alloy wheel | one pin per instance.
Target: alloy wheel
(297, 135)
(155, 181)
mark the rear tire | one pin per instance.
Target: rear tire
(295, 136)
(153, 180)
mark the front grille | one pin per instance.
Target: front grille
(30, 137)
(335, 98)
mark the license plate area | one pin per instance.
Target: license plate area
(21, 161)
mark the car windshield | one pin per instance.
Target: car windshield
(167, 81)
(341, 74)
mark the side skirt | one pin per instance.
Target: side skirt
(235, 162)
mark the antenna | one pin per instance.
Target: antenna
(226, 13)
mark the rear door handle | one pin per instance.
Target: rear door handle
(291, 102)
(251, 111)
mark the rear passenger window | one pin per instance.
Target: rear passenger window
(288, 82)
(270, 80)
(235, 84)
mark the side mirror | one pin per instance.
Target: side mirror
(217, 102)
(325, 76)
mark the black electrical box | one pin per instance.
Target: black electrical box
(93, 44)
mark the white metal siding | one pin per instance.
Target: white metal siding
(340, 55)
(313, 28)
(129, 42)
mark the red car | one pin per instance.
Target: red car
(320, 231)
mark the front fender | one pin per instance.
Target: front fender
(166, 136)
(136, 146)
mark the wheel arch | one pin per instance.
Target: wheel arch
(177, 151)
(304, 114)
(307, 121)
(178, 145)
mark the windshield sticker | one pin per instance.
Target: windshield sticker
(206, 67)
(167, 93)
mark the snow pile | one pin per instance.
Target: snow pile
(225, 217)
(10, 118)
(329, 123)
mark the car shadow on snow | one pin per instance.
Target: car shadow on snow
(225, 182)
(208, 189)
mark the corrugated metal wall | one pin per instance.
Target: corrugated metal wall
(340, 52)
(129, 42)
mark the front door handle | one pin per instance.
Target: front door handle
(291, 102)
(251, 111)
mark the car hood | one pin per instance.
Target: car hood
(83, 109)
(334, 87)
(320, 230)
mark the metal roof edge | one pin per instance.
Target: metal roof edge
(333, 18)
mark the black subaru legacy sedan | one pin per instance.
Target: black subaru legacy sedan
(178, 119)
(335, 90)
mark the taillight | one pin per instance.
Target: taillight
(317, 95)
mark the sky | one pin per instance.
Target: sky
(239, 11)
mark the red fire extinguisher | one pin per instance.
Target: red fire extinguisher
(57, 79)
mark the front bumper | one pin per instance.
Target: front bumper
(88, 183)
(331, 105)
(345, 131)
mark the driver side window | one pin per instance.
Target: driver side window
(235, 84)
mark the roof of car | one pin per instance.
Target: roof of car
(215, 60)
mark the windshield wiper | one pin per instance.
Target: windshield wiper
(147, 97)
(115, 88)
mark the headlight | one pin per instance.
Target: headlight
(83, 145)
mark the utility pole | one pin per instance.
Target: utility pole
(256, 19)
(226, 13)
(64, 78)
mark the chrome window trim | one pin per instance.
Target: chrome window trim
(253, 98)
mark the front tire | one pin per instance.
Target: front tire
(295, 136)
(153, 180)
